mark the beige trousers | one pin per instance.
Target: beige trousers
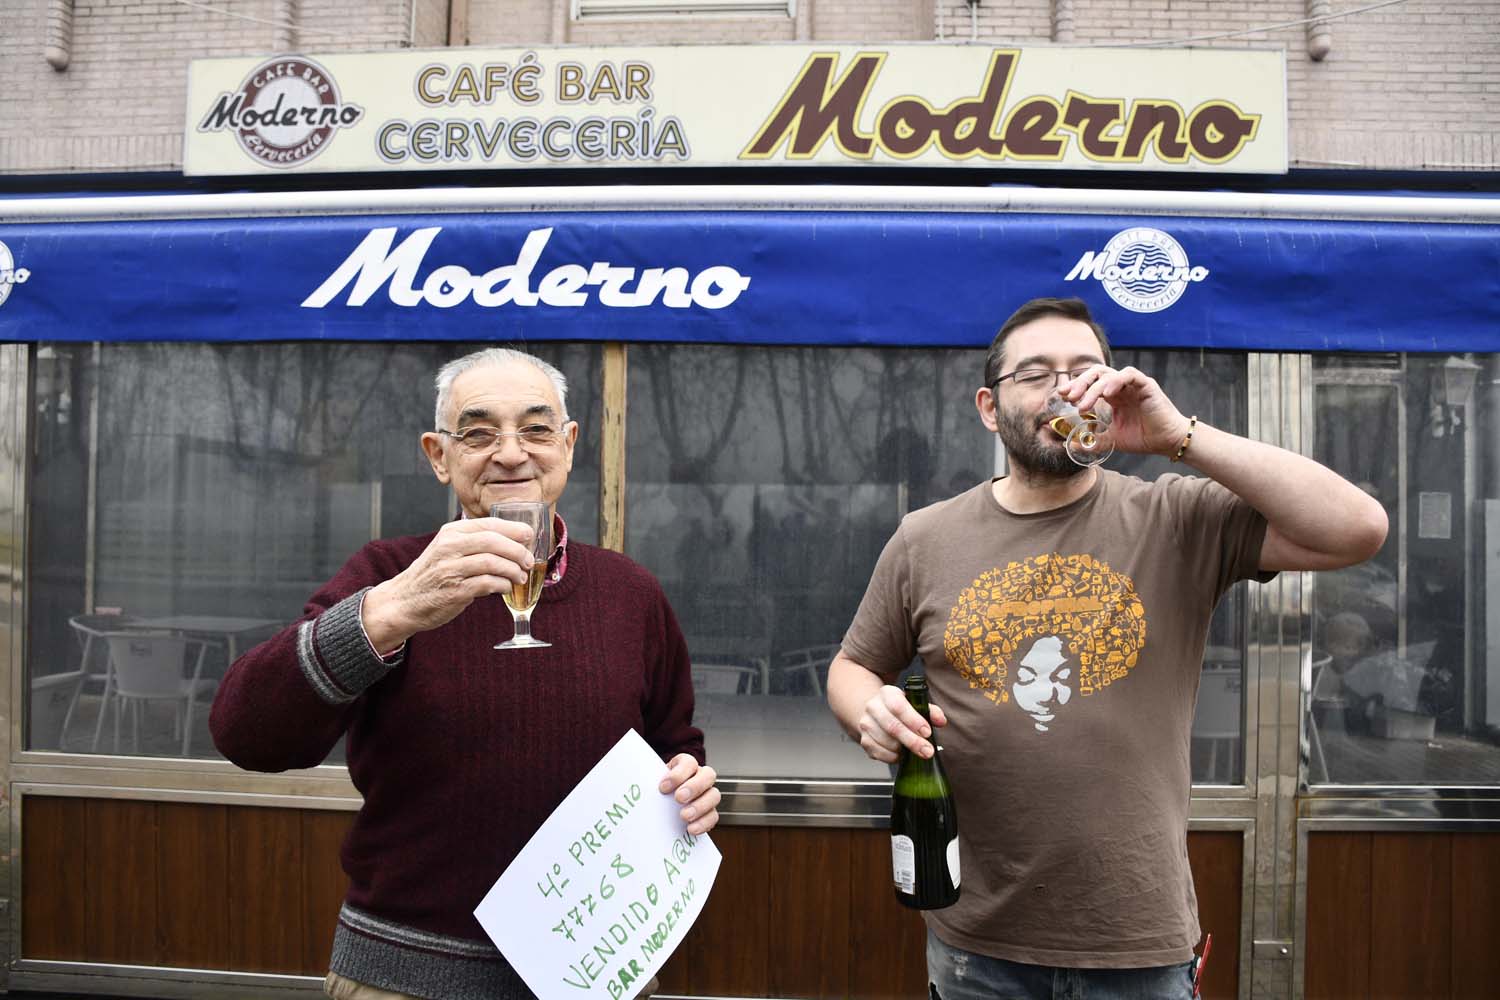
(340, 988)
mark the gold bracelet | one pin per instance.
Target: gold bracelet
(1182, 448)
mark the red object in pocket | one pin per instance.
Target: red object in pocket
(1208, 943)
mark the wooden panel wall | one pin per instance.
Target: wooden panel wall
(799, 912)
(194, 886)
(796, 911)
(1396, 915)
(1217, 859)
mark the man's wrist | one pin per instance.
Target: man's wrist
(376, 614)
(1178, 450)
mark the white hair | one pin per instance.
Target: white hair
(493, 356)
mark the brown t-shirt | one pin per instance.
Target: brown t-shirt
(1065, 648)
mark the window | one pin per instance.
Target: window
(186, 499)
(1405, 647)
(763, 484)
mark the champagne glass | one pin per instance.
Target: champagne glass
(522, 597)
(1087, 435)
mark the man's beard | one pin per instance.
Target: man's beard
(1028, 453)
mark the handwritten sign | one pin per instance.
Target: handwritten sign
(603, 893)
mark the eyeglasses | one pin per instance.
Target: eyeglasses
(532, 437)
(1036, 378)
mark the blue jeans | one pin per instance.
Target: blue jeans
(955, 974)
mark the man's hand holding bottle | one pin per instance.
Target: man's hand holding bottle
(888, 723)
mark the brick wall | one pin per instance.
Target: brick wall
(119, 105)
(431, 24)
(720, 28)
(1414, 85)
(519, 22)
(882, 20)
(1019, 21)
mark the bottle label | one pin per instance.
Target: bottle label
(953, 861)
(904, 863)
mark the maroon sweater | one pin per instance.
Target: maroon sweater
(461, 751)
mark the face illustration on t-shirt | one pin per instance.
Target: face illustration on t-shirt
(1031, 634)
(1041, 686)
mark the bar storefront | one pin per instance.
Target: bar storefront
(211, 400)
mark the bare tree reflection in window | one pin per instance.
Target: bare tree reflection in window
(800, 494)
(694, 419)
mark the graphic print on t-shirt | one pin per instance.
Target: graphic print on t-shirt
(1039, 629)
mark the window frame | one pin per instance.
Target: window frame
(594, 10)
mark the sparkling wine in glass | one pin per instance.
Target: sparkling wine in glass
(522, 597)
(1088, 436)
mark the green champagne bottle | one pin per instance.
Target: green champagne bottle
(924, 823)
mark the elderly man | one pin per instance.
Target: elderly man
(1061, 613)
(462, 751)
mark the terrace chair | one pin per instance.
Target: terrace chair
(147, 667)
(726, 678)
(807, 667)
(93, 662)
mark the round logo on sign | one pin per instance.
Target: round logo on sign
(1147, 270)
(285, 112)
(10, 275)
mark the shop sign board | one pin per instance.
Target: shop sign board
(873, 278)
(929, 105)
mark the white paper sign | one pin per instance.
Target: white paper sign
(603, 893)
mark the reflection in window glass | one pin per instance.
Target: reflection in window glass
(1404, 644)
(1212, 385)
(763, 484)
(186, 499)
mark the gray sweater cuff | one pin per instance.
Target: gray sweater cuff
(335, 653)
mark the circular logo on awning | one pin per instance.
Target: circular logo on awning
(1146, 270)
(10, 274)
(284, 113)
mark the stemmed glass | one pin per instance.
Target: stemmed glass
(522, 597)
(1088, 435)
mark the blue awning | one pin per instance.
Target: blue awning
(880, 277)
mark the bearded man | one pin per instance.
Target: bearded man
(1060, 613)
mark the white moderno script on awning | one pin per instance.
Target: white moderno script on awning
(889, 267)
(603, 893)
